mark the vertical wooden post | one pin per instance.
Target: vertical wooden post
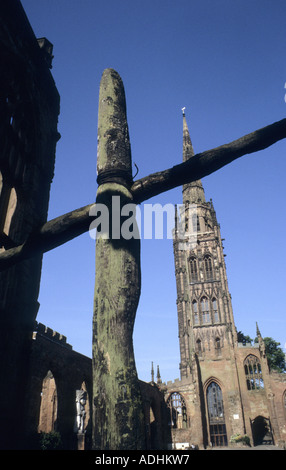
(117, 406)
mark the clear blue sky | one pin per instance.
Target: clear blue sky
(225, 62)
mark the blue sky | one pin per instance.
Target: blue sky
(225, 62)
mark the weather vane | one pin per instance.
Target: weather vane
(183, 109)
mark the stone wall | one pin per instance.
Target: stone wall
(55, 374)
(51, 356)
(29, 109)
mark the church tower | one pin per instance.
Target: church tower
(225, 391)
(205, 317)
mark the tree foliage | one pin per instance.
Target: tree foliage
(241, 338)
(275, 355)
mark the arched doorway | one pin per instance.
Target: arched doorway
(261, 431)
(216, 417)
(49, 405)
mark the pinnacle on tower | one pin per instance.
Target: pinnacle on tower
(258, 334)
(159, 381)
(152, 372)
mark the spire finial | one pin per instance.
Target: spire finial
(152, 373)
(159, 381)
(257, 330)
(188, 150)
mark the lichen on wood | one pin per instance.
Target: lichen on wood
(118, 421)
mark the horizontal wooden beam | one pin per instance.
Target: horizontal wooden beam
(68, 226)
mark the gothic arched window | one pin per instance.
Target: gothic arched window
(218, 346)
(208, 267)
(177, 411)
(49, 405)
(217, 343)
(215, 311)
(199, 347)
(196, 223)
(253, 373)
(193, 269)
(8, 202)
(217, 426)
(196, 313)
(205, 310)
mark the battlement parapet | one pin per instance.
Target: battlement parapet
(178, 382)
(248, 345)
(50, 334)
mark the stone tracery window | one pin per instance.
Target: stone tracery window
(177, 411)
(195, 223)
(205, 310)
(217, 427)
(193, 269)
(196, 313)
(253, 373)
(215, 311)
(208, 267)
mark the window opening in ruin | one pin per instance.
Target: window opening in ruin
(49, 405)
(199, 347)
(196, 223)
(217, 343)
(253, 373)
(215, 311)
(205, 310)
(177, 411)
(8, 202)
(193, 269)
(217, 428)
(153, 429)
(261, 431)
(208, 268)
(217, 346)
(195, 312)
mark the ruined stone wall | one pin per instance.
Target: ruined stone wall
(278, 390)
(156, 425)
(190, 431)
(55, 373)
(267, 401)
(52, 356)
(29, 109)
(241, 405)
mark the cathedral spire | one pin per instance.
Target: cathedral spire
(193, 193)
(188, 150)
